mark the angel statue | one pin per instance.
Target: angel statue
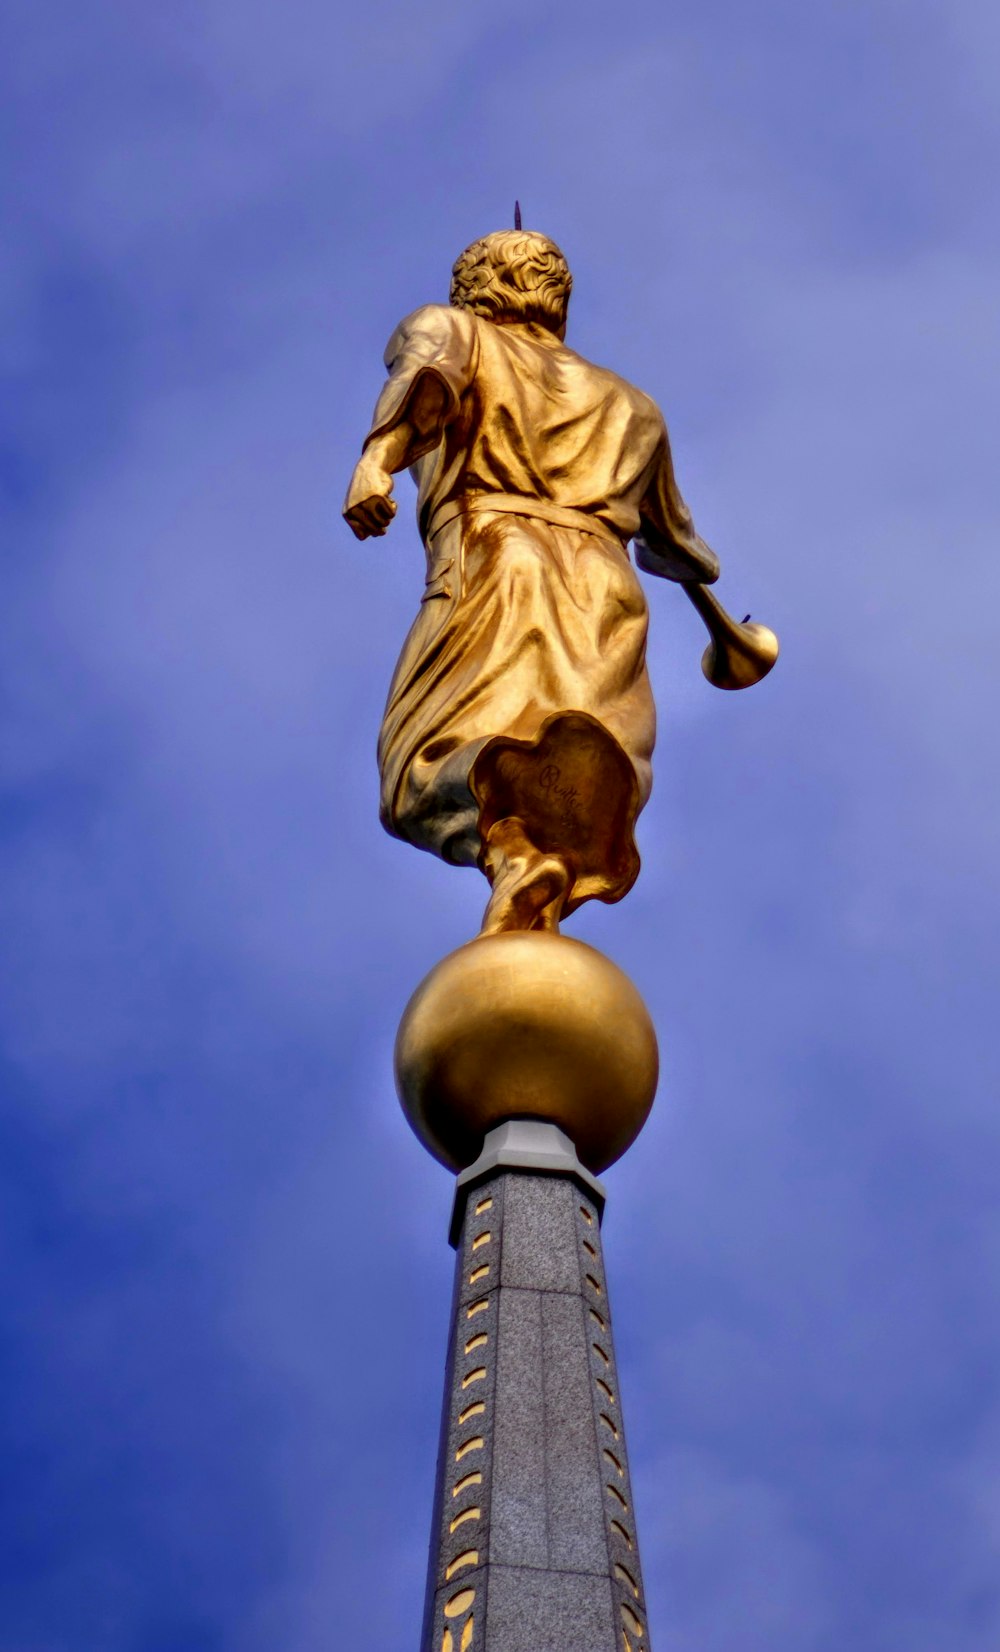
(520, 724)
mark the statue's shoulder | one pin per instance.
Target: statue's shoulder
(646, 408)
(432, 326)
(642, 405)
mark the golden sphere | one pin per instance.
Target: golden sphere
(526, 1024)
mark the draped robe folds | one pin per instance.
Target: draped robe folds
(522, 686)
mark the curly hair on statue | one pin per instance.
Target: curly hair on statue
(513, 275)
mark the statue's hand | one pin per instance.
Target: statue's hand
(369, 506)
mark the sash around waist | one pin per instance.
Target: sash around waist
(516, 504)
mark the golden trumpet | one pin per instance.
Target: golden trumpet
(739, 654)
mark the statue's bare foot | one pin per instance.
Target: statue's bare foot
(529, 887)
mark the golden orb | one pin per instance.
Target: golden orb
(526, 1024)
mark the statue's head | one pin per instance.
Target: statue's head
(513, 275)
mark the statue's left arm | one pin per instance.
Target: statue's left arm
(668, 544)
(431, 359)
(738, 655)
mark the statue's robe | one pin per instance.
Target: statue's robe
(522, 686)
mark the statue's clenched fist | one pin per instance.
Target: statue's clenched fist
(369, 506)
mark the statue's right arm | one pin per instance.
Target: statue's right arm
(369, 506)
(431, 359)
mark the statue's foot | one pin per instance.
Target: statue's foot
(529, 887)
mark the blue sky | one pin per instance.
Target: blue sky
(225, 1270)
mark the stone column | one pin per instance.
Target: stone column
(534, 1545)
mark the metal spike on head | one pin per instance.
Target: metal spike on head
(517, 215)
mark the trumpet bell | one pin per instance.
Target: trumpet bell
(742, 659)
(740, 653)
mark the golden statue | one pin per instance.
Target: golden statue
(520, 723)
(519, 726)
(518, 737)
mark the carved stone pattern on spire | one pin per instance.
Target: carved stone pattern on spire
(534, 1545)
